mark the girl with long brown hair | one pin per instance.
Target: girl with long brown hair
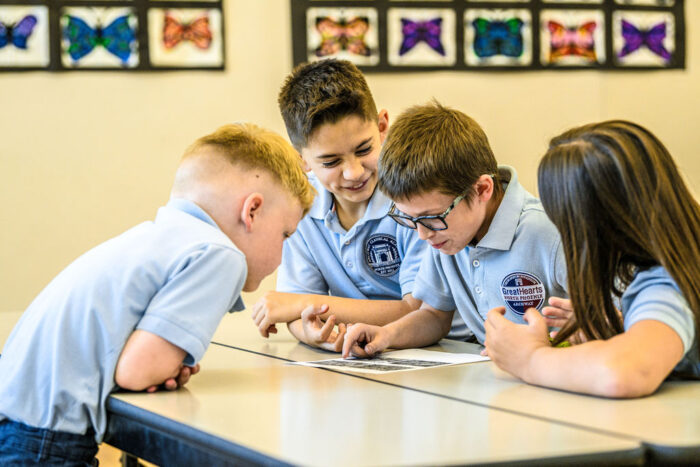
(630, 232)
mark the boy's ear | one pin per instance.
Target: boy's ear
(252, 205)
(304, 164)
(485, 187)
(383, 124)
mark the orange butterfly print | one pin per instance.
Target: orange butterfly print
(342, 35)
(578, 41)
(197, 32)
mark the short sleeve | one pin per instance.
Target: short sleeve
(298, 272)
(412, 250)
(655, 297)
(186, 310)
(431, 285)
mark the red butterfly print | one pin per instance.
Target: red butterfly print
(197, 32)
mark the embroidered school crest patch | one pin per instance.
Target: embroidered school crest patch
(522, 291)
(382, 255)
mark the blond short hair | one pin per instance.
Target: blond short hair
(252, 147)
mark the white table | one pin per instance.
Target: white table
(250, 408)
(247, 408)
(667, 423)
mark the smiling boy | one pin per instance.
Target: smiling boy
(347, 253)
(492, 244)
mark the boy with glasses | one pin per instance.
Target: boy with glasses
(348, 262)
(493, 245)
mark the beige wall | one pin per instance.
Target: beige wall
(86, 155)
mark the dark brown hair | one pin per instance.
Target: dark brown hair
(323, 92)
(616, 196)
(432, 147)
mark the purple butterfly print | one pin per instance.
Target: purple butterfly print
(417, 31)
(652, 38)
(17, 33)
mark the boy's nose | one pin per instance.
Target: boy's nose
(353, 170)
(424, 233)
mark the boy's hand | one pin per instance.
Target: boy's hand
(365, 341)
(319, 334)
(178, 380)
(558, 312)
(276, 307)
(511, 345)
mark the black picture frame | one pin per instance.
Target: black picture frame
(141, 8)
(300, 49)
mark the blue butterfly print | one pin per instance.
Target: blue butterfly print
(117, 37)
(498, 37)
(17, 33)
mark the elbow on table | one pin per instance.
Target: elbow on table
(141, 377)
(130, 380)
(620, 381)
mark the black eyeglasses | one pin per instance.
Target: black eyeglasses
(429, 222)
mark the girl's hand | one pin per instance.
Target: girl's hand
(511, 346)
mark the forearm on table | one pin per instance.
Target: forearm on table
(419, 328)
(147, 360)
(631, 364)
(376, 312)
(297, 330)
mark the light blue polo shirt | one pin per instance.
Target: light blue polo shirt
(518, 264)
(376, 259)
(654, 295)
(175, 277)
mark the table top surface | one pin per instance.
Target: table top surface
(452, 412)
(312, 416)
(670, 417)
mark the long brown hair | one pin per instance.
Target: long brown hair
(616, 196)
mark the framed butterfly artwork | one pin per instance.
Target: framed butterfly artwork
(646, 2)
(421, 36)
(185, 37)
(576, 2)
(111, 35)
(500, 37)
(643, 38)
(99, 37)
(489, 35)
(572, 38)
(24, 36)
(346, 33)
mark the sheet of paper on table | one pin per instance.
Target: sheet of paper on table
(398, 360)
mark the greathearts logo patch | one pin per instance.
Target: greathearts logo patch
(521, 291)
(382, 255)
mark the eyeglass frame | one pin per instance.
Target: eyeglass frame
(417, 220)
